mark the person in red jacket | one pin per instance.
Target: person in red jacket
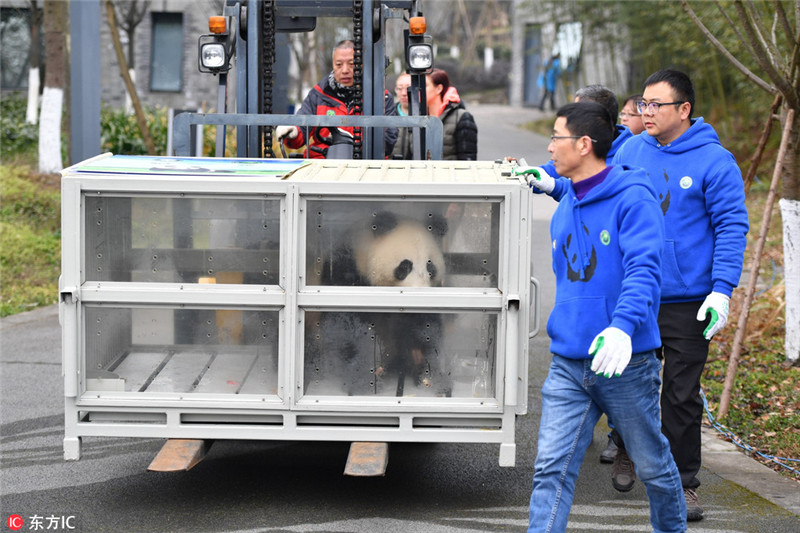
(334, 95)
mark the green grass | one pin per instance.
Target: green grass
(30, 239)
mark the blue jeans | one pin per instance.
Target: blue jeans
(573, 399)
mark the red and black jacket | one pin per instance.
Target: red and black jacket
(322, 100)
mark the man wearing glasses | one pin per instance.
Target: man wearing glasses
(702, 197)
(607, 236)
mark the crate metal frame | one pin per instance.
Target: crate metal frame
(290, 414)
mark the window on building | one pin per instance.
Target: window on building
(166, 62)
(15, 47)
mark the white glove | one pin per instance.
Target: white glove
(612, 352)
(290, 132)
(716, 305)
(536, 177)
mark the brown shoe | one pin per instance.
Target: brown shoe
(694, 511)
(623, 475)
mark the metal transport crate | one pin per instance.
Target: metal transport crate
(277, 300)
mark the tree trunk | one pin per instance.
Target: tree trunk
(32, 112)
(790, 214)
(55, 19)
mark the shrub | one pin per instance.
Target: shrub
(17, 137)
(120, 134)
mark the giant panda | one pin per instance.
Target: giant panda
(383, 353)
(389, 250)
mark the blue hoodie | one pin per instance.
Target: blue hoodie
(607, 261)
(562, 184)
(701, 193)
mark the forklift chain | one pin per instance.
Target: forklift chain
(267, 62)
(358, 71)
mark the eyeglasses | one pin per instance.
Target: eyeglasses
(651, 108)
(558, 137)
(629, 115)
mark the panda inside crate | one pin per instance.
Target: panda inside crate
(375, 352)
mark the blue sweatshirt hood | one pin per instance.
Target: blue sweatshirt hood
(699, 134)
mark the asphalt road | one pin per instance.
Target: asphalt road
(289, 486)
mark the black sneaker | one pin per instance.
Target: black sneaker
(694, 511)
(607, 455)
(623, 475)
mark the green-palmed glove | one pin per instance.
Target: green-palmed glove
(715, 305)
(536, 177)
(611, 350)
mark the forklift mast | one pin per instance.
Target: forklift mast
(254, 34)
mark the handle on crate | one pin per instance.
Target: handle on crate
(537, 307)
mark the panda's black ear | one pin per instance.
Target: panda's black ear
(383, 222)
(437, 224)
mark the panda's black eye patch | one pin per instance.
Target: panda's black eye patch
(432, 270)
(403, 269)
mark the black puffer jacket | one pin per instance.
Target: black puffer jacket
(460, 133)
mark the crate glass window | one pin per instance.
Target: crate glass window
(400, 354)
(161, 349)
(403, 243)
(182, 240)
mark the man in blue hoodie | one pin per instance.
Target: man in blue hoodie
(548, 181)
(607, 239)
(701, 194)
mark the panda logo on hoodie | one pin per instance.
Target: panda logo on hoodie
(577, 268)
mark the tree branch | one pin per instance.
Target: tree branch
(123, 68)
(780, 14)
(724, 51)
(781, 83)
(754, 18)
(733, 25)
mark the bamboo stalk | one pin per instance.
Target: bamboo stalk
(733, 362)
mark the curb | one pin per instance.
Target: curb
(729, 462)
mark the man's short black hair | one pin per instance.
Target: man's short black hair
(600, 94)
(590, 118)
(680, 83)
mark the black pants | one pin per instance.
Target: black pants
(684, 352)
(552, 95)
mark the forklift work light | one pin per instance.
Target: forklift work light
(420, 57)
(212, 55)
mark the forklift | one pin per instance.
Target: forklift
(243, 42)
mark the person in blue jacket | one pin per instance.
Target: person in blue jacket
(607, 238)
(701, 195)
(548, 81)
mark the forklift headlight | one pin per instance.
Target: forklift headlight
(212, 56)
(420, 57)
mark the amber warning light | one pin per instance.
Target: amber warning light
(216, 24)
(417, 25)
